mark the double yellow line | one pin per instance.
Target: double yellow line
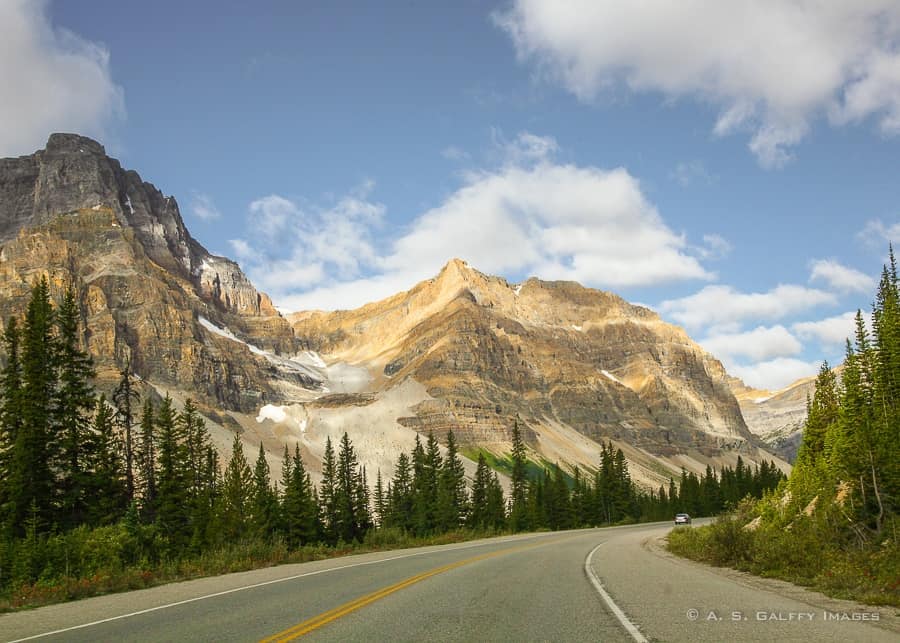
(316, 622)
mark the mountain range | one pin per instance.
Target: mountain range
(572, 366)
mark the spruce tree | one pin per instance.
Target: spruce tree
(518, 483)
(193, 431)
(264, 509)
(479, 517)
(147, 462)
(127, 399)
(400, 497)
(346, 500)
(173, 491)
(300, 510)
(451, 497)
(33, 483)
(362, 502)
(73, 404)
(237, 488)
(380, 501)
(108, 493)
(496, 505)
(10, 420)
(328, 493)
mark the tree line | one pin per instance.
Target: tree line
(833, 524)
(851, 441)
(72, 460)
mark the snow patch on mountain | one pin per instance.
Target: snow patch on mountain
(612, 377)
(339, 377)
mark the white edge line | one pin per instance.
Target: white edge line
(255, 585)
(630, 627)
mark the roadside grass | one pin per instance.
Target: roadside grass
(805, 554)
(107, 575)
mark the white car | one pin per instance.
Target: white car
(682, 519)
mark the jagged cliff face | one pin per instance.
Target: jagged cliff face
(73, 214)
(553, 354)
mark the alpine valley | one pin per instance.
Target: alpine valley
(572, 366)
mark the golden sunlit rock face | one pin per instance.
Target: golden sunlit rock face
(489, 352)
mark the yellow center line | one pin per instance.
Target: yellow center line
(324, 618)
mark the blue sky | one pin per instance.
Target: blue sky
(732, 165)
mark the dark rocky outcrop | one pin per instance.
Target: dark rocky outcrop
(73, 214)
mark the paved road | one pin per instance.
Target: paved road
(536, 587)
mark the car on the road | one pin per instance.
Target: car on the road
(682, 519)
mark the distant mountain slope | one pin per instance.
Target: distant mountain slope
(567, 361)
(777, 417)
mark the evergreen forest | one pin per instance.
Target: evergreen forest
(106, 493)
(833, 524)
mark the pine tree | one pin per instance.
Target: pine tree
(237, 488)
(496, 504)
(172, 503)
(192, 430)
(328, 493)
(264, 509)
(127, 398)
(362, 502)
(518, 482)
(478, 518)
(558, 508)
(147, 462)
(578, 498)
(348, 510)
(451, 496)
(380, 501)
(73, 404)
(108, 494)
(300, 511)
(400, 496)
(10, 420)
(426, 470)
(32, 482)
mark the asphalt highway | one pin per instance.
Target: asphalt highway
(614, 584)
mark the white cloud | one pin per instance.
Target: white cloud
(769, 67)
(270, 215)
(454, 153)
(774, 374)
(761, 343)
(725, 307)
(690, 172)
(526, 148)
(243, 250)
(529, 215)
(716, 247)
(296, 247)
(876, 232)
(202, 207)
(840, 277)
(832, 331)
(52, 79)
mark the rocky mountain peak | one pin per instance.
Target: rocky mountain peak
(73, 174)
(62, 143)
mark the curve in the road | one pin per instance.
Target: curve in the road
(630, 627)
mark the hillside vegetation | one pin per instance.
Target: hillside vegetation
(834, 523)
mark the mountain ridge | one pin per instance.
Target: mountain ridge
(463, 350)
